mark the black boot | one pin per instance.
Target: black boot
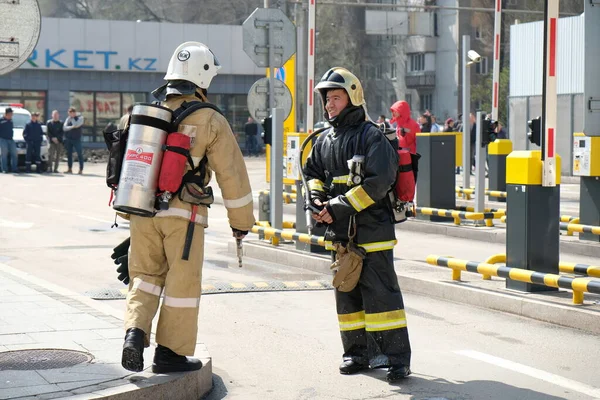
(133, 350)
(397, 372)
(349, 366)
(166, 360)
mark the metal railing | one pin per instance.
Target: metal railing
(471, 192)
(564, 267)
(461, 215)
(270, 233)
(571, 227)
(287, 197)
(579, 286)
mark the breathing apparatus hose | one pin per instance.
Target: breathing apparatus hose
(307, 203)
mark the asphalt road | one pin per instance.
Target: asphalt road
(285, 345)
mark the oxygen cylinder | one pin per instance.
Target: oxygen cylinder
(405, 183)
(148, 129)
(173, 166)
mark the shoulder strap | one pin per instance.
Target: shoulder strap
(188, 108)
(361, 138)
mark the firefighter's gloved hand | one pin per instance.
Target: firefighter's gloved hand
(238, 234)
(121, 249)
(123, 268)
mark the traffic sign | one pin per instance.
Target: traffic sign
(258, 98)
(256, 37)
(20, 24)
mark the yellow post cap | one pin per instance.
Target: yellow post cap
(525, 168)
(500, 147)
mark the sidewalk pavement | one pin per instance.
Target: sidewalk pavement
(59, 344)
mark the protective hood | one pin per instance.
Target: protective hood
(403, 109)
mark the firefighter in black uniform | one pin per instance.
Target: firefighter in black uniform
(354, 204)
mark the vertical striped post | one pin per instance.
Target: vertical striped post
(496, 74)
(310, 75)
(549, 99)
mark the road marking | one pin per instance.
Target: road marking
(95, 219)
(533, 372)
(8, 200)
(33, 205)
(17, 225)
(58, 211)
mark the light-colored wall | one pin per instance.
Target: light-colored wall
(98, 45)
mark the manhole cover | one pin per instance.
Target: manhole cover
(28, 360)
(107, 294)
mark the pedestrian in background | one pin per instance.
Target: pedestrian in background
(251, 131)
(72, 128)
(33, 135)
(125, 118)
(7, 144)
(55, 135)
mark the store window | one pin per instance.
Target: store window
(100, 108)
(32, 101)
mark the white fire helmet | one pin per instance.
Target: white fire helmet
(193, 62)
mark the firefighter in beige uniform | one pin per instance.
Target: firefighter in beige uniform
(156, 265)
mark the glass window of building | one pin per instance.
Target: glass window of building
(32, 101)
(100, 108)
(235, 109)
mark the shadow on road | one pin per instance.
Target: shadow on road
(421, 388)
(219, 390)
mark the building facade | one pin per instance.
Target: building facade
(525, 99)
(101, 67)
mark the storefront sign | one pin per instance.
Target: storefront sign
(89, 59)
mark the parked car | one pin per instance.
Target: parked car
(21, 117)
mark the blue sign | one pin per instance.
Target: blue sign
(280, 74)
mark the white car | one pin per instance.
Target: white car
(21, 117)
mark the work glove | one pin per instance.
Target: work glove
(121, 259)
(123, 269)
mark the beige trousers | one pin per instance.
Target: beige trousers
(155, 268)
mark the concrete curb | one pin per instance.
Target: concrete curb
(147, 386)
(510, 302)
(493, 235)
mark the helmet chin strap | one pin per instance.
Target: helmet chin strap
(199, 93)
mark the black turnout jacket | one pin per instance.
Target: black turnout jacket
(327, 173)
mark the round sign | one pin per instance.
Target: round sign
(258, 99)
(20, 24)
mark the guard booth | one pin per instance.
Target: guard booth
(436, 180)
(586, 164)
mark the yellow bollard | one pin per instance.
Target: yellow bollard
(495, 259)
(489, 223)
(456, 274)
(577, 297)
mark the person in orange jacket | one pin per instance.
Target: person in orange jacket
(406, 127)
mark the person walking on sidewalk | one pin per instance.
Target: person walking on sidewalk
(55, 137)
(7, 144)
(33, 135)
(353, 204)
(251, 131)
(72, 128)
(156, 265)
